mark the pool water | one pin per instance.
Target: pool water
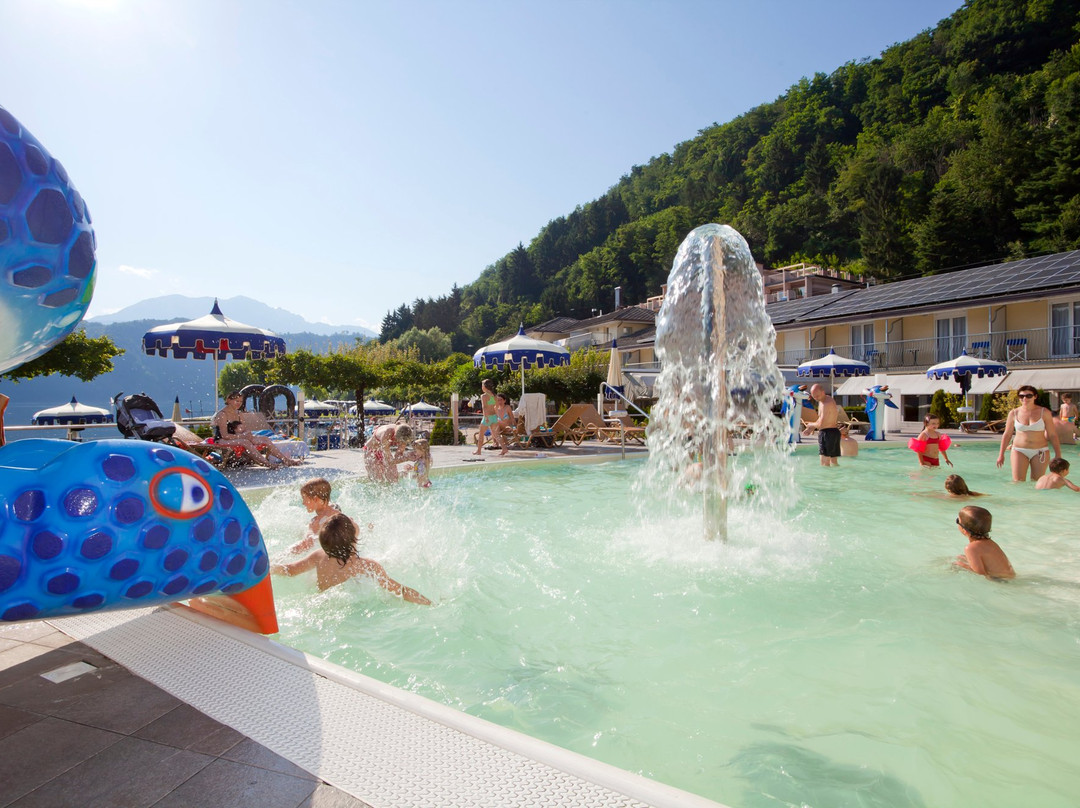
(828, 656)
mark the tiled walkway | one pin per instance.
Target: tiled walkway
(107, 738)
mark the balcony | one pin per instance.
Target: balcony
(1040, 347)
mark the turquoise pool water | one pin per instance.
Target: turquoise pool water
(829, 656)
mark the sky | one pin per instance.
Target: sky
(337, 158)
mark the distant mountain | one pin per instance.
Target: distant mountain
(169, 308)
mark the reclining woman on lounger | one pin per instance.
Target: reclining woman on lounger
(229, 433)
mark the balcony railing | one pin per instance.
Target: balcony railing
(1021, 348)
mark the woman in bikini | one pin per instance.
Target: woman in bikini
(931, 444)
(490, 419)
(1034, 430)
(229, 432)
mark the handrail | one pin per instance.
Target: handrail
(605, 387)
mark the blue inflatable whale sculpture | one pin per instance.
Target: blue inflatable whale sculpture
(112, 524)
(108, 524)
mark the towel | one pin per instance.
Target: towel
(534, 407)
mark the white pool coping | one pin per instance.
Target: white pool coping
(383, 745)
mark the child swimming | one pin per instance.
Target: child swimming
(336, 561)
(957, 487)
(982, 555)
(1055, 476)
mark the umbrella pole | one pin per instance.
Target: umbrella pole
(215, 381)
(522, 380)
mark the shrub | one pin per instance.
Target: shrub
(442, 434)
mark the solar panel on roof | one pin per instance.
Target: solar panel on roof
(1026, 275)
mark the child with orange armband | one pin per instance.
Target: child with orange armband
(931, 444)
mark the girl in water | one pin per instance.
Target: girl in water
(931, 444)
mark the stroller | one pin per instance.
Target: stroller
(138, 416)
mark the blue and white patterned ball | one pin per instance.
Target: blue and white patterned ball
(47, 264)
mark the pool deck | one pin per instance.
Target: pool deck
(140, 726)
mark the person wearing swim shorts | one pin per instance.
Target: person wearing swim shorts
(1032, 432)
(826, 425)
(490, 419)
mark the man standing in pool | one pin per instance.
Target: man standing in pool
(826, 425)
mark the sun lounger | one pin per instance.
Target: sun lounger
(623, 428)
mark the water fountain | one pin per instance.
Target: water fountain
(719, 379)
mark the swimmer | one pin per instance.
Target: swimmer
(315, 496)
(420, 454)
(930, 445)
(982, 555)
(957, 487)
(336, 561)
(1055, 477)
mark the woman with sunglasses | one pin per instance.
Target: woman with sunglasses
(1034, 431)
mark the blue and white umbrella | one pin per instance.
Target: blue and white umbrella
(72, 413)
(374, 407)
(833, 365)
(521, 351)
(213, 335)
(962, 368)
(422, 408)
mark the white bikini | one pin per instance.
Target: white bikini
(1031, 454)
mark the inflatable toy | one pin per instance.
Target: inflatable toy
(112, 524)
(47, 264)
(877, 396)
(795, 398)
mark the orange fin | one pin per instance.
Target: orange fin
(252, 609)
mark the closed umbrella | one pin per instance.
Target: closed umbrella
(213, 335)
(833, 365)
(72, 413)
(614, 373)
(521, 351)
(962, 368)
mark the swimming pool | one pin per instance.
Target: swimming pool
(826, 657)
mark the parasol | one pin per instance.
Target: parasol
(213, 335)
(72, 413)
(962, 368)
(521, 351)
(833, 365)
(614, 373)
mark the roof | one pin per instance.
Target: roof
(994, 283)
(568, 325)
(557, 325)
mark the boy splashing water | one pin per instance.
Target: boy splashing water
(337, 561)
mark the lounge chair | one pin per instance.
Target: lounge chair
(579, 423)
(971, 427)
(621, 428)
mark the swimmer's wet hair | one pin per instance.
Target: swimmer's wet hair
(403, 433)
(319, 488)
(955, 484)
(337, 537)
(1058, 465)
(976, 521)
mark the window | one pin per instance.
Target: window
(951, 337)
(1065, 329)
(862, 341)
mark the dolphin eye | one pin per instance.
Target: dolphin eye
(180, 493)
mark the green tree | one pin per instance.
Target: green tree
(76, 355)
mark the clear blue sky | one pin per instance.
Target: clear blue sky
(339, 158)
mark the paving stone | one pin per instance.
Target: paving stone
(326, 796)
(184, 727)
(255, 754)
(132, 773)
(13, 719)
(225, 784)
(122, 706)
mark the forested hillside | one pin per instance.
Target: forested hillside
(960, 146)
